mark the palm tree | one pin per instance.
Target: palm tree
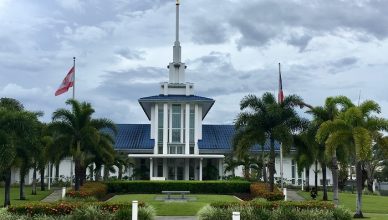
(82, 132)
(264, 119)
(333, 106)
(355, 128)
(17, 132)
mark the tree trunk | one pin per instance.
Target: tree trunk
(22, 195)
(91, 172)
(34, 182)
(120, 172)
(7, 187)
(334, 171)
(98, 173)
(324, 177)
(265, 179)
(308, 179)
(316, 176)
(83, 175)
(271, 165)
(78, 171)
(106, 173)
(358, 213)
(42, 186)
(57, 171)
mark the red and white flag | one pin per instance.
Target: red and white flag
(280, 93)
(67, 82)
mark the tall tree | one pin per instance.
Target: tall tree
(17, 127)
(82, 132)
(264, 120)
(355, 128)
(332, 107)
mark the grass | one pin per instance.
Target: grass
(175, 208)
(374, 207)
(15, 195)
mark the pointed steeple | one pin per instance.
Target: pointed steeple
(177, 68)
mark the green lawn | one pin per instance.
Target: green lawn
(175, 208)
(371, 205)
(15, 195)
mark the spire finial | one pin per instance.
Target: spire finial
(177, 2)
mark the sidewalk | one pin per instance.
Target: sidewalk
(176, 218)
(292, 195)
(54, 196)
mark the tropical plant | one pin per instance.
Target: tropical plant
(264, 120)
(332, 107)
(82, 132)
(356, 128)
(17, 138)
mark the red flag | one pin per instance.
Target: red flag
(67, 82)
(280, 93)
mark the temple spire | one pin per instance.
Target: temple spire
(177, 46)
(177, 68)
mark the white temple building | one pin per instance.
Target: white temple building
(176, 145)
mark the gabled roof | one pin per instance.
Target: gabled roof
(133, 137)
(218, 138)
(147, 102)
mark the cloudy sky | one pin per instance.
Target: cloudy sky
(231, 47)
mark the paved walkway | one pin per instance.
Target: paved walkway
(176, 218)
(54, 196)
(292, 195)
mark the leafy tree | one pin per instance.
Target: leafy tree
(82, 132)
(264, 119)
(321, 114)
(356, 128)
(17, 132)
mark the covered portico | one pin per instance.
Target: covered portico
(181, 166)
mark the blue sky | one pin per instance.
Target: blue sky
(231, 47)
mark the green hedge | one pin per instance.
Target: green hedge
(195, 187)
(276, 204)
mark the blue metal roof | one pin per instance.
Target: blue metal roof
(176, 98)
(147, 102)
(215, 139)
(219, 138)
(133, 137)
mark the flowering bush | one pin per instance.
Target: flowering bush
(66, 208)
(261, 190)
(89, 189)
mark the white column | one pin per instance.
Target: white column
(196, 171)
(200, 169)
(187, 168)
(196, 129)
(165, 127)
(165, 168)
(187, 129)
(235, 215)
(151, 168)
(220, 167)
(156, 126)
(134, 210)
(170, 124)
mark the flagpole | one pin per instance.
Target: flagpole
(281, 152)
(74, 78)
(72, 159)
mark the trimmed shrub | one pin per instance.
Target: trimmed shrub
(91, 213)
(196, 187)
(273, 211)
(89, 189)
(65, 208)
(260, 189)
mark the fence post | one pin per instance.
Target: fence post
(134, 209)
(63, 192)
(236, 216)
(285, 194)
